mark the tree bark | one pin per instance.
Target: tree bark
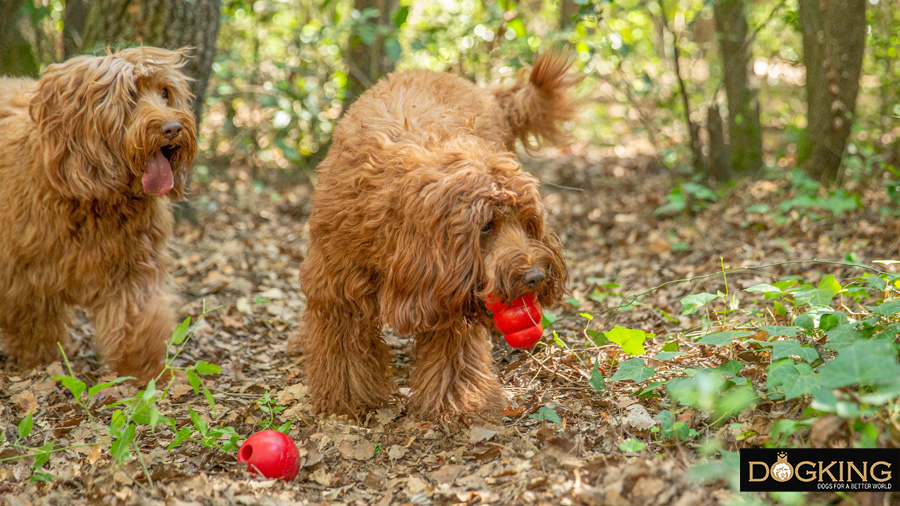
(367, 63)
(834, 38)
(74, 18)
(171, 24)
(744, 131)
(720, 168)
(16, 55)
(567, 11)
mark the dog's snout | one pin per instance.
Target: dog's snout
(534, 278)
(171, 129)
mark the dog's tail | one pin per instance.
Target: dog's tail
(540, 101)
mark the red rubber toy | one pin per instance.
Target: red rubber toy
(271, 454)
(519, 321)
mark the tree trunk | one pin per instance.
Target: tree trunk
(16, 55)
(74, 19)
(366, 59)
(171, 24)
(720, 168)
(744, 131)
(567, 11)
(834, 38)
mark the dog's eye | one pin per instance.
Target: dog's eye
(164, 93)
(487, 228)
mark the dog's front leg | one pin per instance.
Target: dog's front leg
(32, 325)
(132, 328)
(454, 374)
(347, 360)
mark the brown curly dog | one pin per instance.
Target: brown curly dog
(420, 210)
(92, 154)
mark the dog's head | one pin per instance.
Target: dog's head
(116, 124)
(475, 227)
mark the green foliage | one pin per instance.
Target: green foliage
(120, 427)
(631, 340)
(691, 196)
(545, 414)
(632, 446)
(267, 405)
(670, 428)
(633, 370)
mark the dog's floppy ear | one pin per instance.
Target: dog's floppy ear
(431, 279)
(530, 210)
(79, 108)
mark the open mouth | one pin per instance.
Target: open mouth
(158, 178)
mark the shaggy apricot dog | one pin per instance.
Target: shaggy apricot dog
(90, 157)
(420, 210)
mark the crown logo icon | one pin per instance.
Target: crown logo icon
(781, 470)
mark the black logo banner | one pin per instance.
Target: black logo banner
(818, 469)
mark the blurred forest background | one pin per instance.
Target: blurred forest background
(732, 201)
(711, 90)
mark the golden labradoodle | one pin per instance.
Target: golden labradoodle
(421, 209)
(92, 154)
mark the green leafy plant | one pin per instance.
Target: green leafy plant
(131, 416)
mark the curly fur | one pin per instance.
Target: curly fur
(420, 210)
(78, 227)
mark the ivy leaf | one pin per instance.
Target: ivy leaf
(632, 446)
(693, 303)
(722, 338)
(827, 289)
(889, 308)
(763, 288)
(781, 330)
(842, 336)
(665, 356)
(546, 414)
(863, 363)
(631, 340)
(795, 379)
(633, 370)
(791, 348)
(805, 321)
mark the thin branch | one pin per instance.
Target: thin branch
(693, 129)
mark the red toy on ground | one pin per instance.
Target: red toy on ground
(271, 454)
(519, 321)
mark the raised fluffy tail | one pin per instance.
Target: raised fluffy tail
(538, 102)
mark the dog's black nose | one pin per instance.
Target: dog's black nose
(170, 129)
(534, 278)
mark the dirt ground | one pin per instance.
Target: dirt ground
(240, 250)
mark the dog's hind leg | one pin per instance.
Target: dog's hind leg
(454, 374)
(132, 330)
(32, 328)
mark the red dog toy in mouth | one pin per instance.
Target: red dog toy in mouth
(520, 320)
(271, 454)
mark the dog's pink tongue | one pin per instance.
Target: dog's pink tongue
(158, 179)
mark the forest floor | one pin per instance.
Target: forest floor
(240, 253)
